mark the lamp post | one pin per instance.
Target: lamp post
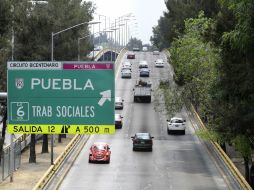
(52, 59)
(115, 29)
(100, 25)
(131, 18)
(59, 32)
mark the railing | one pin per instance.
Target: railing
(19, 144)
(230, 165)
(6, 159)
(58, 162)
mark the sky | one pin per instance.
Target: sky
(146, 12)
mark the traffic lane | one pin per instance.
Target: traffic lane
(157, 73)
(142, 117)
(144, 173)
(124, 89)
(169, 166)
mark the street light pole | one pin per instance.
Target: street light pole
(52, 59)
(104, 29)
(56, 33)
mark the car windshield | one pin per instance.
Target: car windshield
(117, 116)
(118, 99)
(176, 121)
(126, 70)
(99, 147)
(143, 136)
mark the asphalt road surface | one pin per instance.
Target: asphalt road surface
(177, 162)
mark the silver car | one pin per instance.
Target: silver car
(159, 63)
(126, 73)
(118, 103)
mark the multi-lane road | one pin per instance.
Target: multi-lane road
(177, 162)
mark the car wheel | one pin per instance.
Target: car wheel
(183, 132)
(169, 132)
(108, 161)
(134, 149)
(89, 161)
(151, 149)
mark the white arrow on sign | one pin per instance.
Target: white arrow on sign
(106, 95)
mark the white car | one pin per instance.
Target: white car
(118, 103)
(156, 52)
(159, 63)
(126, 65)
(126, 73)
(176, 124)
(143, 64)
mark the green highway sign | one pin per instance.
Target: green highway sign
(59, 94)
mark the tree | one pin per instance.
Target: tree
(32, 157)
(194, 61)
(235, 84)
(171, 24)
(44, 148)
(5, 31)
(134, 42)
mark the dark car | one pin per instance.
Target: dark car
(144, 72)
(99, 152)
(142, 141)
(130, 56)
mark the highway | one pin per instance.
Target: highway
(177, 162)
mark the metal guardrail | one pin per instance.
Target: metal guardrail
(106, 50)
(52, 169)
(6, 158)
(19, 144)
(241, 180)
(120, 55)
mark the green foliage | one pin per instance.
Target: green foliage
(134, 42)
(171, 25)
(242, 144)
(235, 84)
(194, 60)
(168, 97)
(33, 24)
(242, 37)
(5, 36)
(211, 135)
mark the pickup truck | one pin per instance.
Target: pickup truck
(142, 92)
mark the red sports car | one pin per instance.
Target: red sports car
(99, 152)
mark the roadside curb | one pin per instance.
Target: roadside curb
(238, 176)
(70, 166)
(59, 160)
